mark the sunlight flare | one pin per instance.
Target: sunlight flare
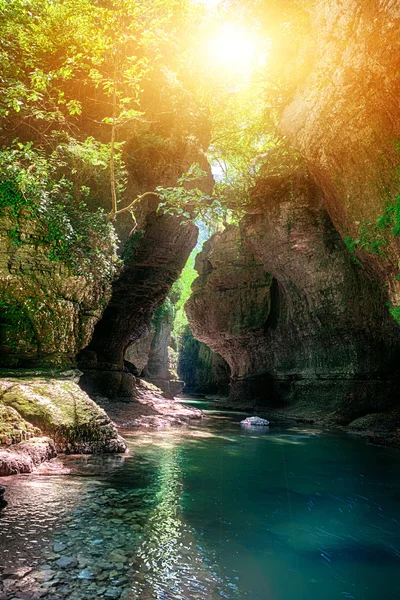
(234, 47)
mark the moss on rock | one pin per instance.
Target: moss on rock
(13, 428)
(60, 409)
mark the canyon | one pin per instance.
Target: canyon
(294, 310)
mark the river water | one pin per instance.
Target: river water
(209, 512)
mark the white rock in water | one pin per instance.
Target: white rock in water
(255, 421)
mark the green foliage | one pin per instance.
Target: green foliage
(14, 323)
(245, 105)
(32, 188)
(87, 164)
(374, 237)
(164, 312)
(395, 312)
(187, 201)
(185, 281)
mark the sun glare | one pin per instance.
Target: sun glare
(233, 47)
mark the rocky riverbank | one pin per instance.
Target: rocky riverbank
(380, 428)
(148, 408)
(41, 417)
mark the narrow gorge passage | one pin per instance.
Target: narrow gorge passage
(199, 299)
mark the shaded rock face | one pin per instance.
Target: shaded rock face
(231, 302)
(137, 353)
(47, 313)
(153, 356)
(345, 120)
(155, 263)
(202, 370)
(294, 316)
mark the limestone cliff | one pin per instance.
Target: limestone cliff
(296, 318)
(154, 356)
(153, 265)
(345, 120)
(202, 370)
(231, 302)
(47, 310)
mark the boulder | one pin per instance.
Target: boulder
(254, 422)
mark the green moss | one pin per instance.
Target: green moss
(13, 428)
(374, 237)
(61, 410)
(395, 312)
(15, 324)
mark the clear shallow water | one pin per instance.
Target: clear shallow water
(211, 512)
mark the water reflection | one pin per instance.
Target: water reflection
(174, 563)
(213, 512)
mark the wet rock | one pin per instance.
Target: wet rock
(44, 575)
(59, 547)
(112, 592)
(3, 502)
(117, 557)
(62, 410)
(66, 562)
(26, 456)
(86, 574)
(147, 408)
(254, 422)
(16, 573)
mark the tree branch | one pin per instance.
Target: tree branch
(114, 213)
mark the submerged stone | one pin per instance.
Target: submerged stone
(66, 561)
(86, 574)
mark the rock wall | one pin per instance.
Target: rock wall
(202, 370)
(290, 310)
(153, 265)
(231, 302)
(154, 356)
(345, 120)
(47, 312)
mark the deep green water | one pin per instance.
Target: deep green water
(211, 512)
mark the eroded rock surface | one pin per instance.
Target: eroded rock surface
(55, 408)
(155, 263)
(145, 406)
(26, 456)
(297, 320)
(154, 355)
(47, 312)
(345, 120)
(202, 370)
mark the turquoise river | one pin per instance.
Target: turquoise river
(208, 512)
